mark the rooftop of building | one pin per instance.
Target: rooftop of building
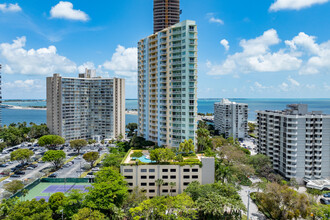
(194, 159)
(228, 102)
(88, 74)
(295, 109)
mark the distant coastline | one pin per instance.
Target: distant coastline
(15, 107)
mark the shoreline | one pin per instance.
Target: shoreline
(15, 107)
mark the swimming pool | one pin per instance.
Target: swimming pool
(143, 159)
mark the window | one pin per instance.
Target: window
(165, 177)
(173, 177)
(186, 170)
(129, 177)
(186, 177)
(130, 190)
(165, 190)
(173, 190)
(165, 170)
(151, 177)
(143, 184)
(143, 177)
(143, 170)
(194, 170)
(186, 183)
(151, 170)
(194, 177)
(173, 170)
(151, 184)
(151, 191)
(165, 184)
(130, 184)
(128, 170)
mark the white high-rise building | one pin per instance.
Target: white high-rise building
(297, 141)
(167, 85)
(86, 107)
(231, 119)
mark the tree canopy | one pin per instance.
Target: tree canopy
(132, 128)
(162, 155)
(21, 155)
(78, 144)
(91, 157)
(56, 157)
(14, 186)
(187, 147)
(51, 141)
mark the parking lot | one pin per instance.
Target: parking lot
(250, 144)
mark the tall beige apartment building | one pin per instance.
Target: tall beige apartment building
(87, 107)
(167, 85)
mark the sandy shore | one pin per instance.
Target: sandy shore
(129, 112)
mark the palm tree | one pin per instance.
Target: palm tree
(159, 183)
(187, 147)
(172, 185)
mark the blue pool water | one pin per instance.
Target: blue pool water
(144, 159)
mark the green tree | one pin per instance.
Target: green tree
(78, 144)
(21, 155)
(252, 127)
(216, 201)
(132, 127)
(159, 183)
(187, 147)
(56, 157)
(202, 124)
(203, 139)
(30, 210)
(120, 137)
(113, 159)
(56, 202)
(88, 214)
(73, 202)
(137, 154)
(172, 185)
(281, 202)
(14, 186)
(3, 145)
(108, 192)
(162, 155)
(91, 141)
(134, 198)
(51, 141)
(176, 207)
(91, 157)
(37, 131)
(6, 206)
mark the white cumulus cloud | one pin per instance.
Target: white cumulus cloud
(212, 19)
(42, 61)
(225, 44)
(65, 10)
(257, 57)
(293, 81)
(294, 4)
(24, 84)
(10, 7)
(123, 62)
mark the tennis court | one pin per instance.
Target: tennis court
(45, 189)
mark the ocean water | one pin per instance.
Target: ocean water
(204, 106)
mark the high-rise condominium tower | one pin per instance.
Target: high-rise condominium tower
(86, 107)
(231, 118)
(167, 85)
(166, 13)
(296, 141)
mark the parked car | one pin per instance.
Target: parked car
(33, 165)
(53, 175)
(325, 201)
(3, 165)
(20, 172)
(15, 175)
(90, 173)
(30, 168)
(327, 195)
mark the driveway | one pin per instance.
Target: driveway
(254, 212)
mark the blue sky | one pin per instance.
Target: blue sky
(247, 49)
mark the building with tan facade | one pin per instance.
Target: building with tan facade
(175, 176)
(166, 13)
(86, 107)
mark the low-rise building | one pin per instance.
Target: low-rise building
(296, 141)
(144, 174)
(231, 119)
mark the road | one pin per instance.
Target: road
(254, 213)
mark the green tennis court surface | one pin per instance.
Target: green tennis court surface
(45, 189)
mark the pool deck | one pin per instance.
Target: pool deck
(129, 160)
